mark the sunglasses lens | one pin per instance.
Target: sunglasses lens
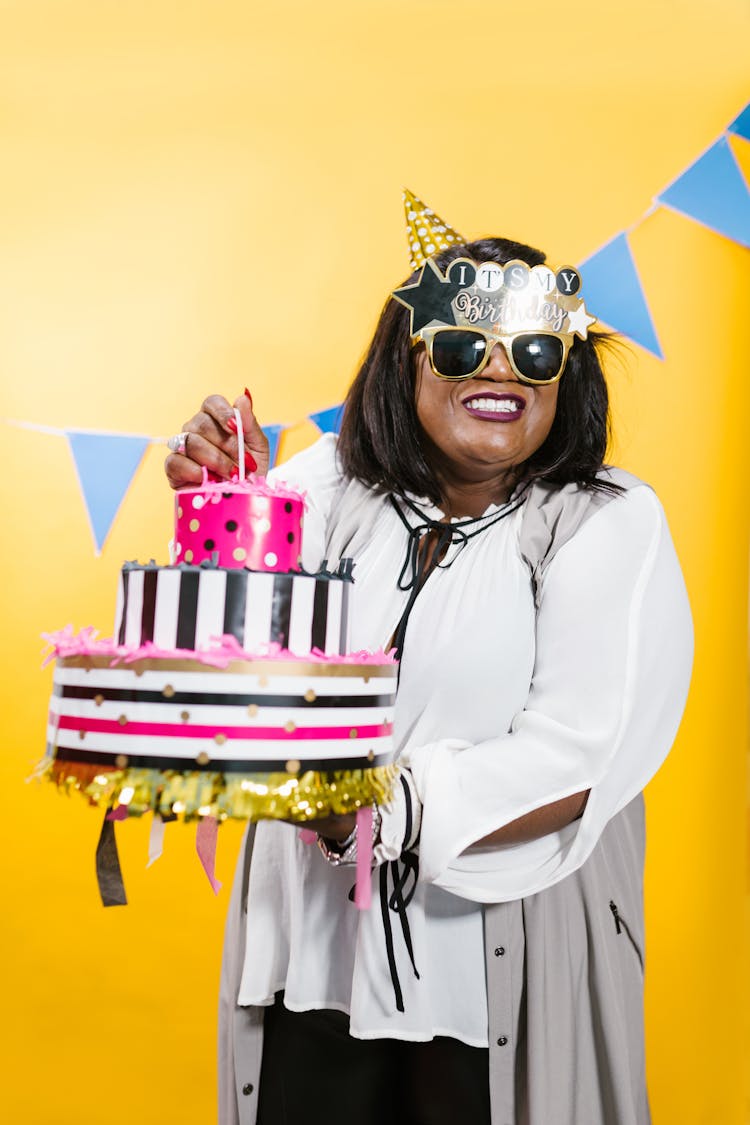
(455, 355)
(538, 357)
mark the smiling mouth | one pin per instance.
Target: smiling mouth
(495, 408)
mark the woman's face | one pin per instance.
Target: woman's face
(480, 429)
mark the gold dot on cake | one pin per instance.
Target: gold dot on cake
(353, 732)
(370, 755)
(188, 556)
(167, 691)
(310, 695)
(122, 720)
(121, 761)
(194, 525)
(290, 726)
(184, 715)
(179, 512)
(262, 681)
(220, 738)
(239, 553)
(252, 710)
(98, 700)
(82, 734)
(203, 759)
(293, 765)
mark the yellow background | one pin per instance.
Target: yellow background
(164, 164)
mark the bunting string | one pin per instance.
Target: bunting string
(711, 191)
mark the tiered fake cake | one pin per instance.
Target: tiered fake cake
(227, 689)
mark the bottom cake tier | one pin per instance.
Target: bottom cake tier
(254, 738)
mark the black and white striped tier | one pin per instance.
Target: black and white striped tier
(184, 607)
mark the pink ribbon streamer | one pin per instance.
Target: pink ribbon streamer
(363, 882)
(155, 839)
(120, 813)
(205, 843)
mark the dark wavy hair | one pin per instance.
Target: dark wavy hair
(381, 441)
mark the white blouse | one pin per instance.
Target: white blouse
(501, 709)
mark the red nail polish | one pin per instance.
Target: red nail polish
(250, 463)
(247, 392)
(231, 424)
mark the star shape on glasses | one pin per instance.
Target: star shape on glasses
(429, 298)
(579, 321)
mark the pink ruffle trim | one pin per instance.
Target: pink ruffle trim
(65, 642)
(257, 485)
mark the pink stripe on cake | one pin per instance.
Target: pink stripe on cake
(185, 730)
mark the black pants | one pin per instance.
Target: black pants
(315, 1073)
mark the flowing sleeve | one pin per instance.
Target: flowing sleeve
(613, 659)
(315, 472)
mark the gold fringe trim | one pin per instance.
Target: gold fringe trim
(259, 796)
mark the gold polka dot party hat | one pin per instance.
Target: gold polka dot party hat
(428, 233)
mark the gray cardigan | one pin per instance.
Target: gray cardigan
(564, 966)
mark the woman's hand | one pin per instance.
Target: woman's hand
(336, 828)
(212, 443)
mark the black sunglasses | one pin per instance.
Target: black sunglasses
(459, 353)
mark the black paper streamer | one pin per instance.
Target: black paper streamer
(108, 873)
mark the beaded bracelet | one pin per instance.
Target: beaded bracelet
(345, 852)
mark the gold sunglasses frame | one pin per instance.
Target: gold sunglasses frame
(427, 336)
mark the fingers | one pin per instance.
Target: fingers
(217, 409)
(182, 472)
(212, 444)
(256, 442)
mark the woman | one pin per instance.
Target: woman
(545, 639)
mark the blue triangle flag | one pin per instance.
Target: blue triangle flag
(106, 464)
(329, 421)
(273, 433)
(613, 292)
(741, 124)
(713, 192)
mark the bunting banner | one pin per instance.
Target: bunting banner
(741, 124)
(712, 191)
(273, 433)
(105, 465)
(615, 295)
(328, 421)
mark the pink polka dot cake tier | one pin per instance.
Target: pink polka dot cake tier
(245, 524)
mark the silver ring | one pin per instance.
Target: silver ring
(178, 443)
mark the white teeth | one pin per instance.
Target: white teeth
(494, 405)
